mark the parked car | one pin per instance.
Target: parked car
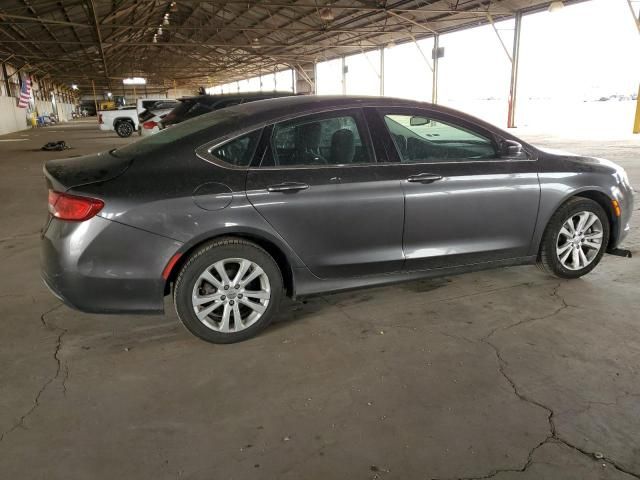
(143, 104)
(295, 196)
(126, 120)
(191, 107)
(150, 117)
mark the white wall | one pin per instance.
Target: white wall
(64, 111)
(12, 118)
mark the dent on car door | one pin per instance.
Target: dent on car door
(464, 204)
(319, 186)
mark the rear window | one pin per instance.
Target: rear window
(169, 135)
(146, 104)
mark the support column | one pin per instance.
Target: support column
(95, 99)
(5, 76)
(434, 87)
(344, 76)
(513, 86)
(636, 123)
(382, 71)
(305, 77)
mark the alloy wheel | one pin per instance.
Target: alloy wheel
(579, 240)
(231, 295)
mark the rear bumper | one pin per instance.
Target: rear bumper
(100, 266)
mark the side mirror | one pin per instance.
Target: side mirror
(511, 149)
(419, 121)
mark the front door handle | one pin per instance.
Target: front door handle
(424, 178)
(287, 187)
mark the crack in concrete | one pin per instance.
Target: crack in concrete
(553, 436)
(555, 293)
(59, 368)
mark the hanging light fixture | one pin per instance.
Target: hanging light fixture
(160, 30)
(555, 6)
(326, 14)
(165, 20)
(155, 38)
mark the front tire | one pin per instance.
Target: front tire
(228, 291)
(575, 239)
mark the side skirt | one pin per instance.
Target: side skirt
(305, 283)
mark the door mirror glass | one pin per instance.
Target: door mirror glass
(416, 121)
(511, 149)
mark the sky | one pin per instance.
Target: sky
(581, 51)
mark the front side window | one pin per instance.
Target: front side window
(317, 140)
(422, 139)
(238, 152)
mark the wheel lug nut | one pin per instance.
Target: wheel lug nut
(226, 287)
(237, 286)
(231, 302)
(239, 295)
(223, 297)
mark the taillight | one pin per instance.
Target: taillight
(73, 208)
(100, 118)
(150, 125)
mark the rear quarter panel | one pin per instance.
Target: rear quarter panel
(182, 197)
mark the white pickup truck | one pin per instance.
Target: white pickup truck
(126, 120)
(123, 120)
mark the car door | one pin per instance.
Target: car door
(318, 185)
(465, 202)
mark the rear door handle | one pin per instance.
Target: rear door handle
(287, 187)
(424, 178)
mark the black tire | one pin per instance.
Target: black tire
(203, 258)
(124, 128)
(548, 260)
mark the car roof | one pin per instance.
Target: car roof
(231, 96)
(292, 106)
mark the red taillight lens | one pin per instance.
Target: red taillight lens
(100, 118)
(150, 125)
(73, 208)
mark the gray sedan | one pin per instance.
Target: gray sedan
(296, 196)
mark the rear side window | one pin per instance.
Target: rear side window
(238, 152)
(318, 140)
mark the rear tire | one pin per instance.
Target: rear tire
(228, 291)
(575, 239)
(124, 128)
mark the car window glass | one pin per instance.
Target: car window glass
(238, 152)
(317, 141)
(421, 139)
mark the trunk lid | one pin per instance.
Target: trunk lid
(64, 174)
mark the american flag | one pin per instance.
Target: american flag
(25, 93)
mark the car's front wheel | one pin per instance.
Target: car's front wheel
(228, 290)
(575, 239)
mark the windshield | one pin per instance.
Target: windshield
(169, 135)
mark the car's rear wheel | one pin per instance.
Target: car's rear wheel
(124, 128)
(575, 239)
(228, 290)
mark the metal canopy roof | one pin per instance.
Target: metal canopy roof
(215, 41)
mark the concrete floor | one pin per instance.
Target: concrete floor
(502, 374)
